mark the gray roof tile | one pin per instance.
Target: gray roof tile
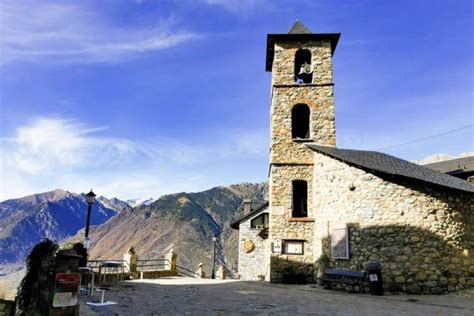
(235, 224)
(376, 161)
(299, 28)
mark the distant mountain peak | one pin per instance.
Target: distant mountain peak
(140, 201)
(56, 215)
(441, 157)
(38, 198)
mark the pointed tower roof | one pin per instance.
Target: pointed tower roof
(299, 28)
(298, 33)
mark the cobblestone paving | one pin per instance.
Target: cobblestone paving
(182, 296)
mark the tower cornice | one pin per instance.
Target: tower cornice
(303, 37)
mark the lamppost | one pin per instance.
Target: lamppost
(90, 198)
(214, 239)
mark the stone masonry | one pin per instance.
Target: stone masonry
(290, 159)
(283, 226)
(256, 262)
(422, 235)
(283, 63)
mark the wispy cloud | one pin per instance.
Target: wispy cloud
(234, 5)
(51, 143)
(55, 152)
(70, 33)
(399, 39)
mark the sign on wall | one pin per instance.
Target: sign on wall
(367, 213)
(293, 247)
(66, 288)
(340, 243)
(276, 246)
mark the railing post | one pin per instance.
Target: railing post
(200, 272)
(171, 261)
(131, 260)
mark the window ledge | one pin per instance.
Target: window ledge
(301, 219)
(303, 85)
(302, 140)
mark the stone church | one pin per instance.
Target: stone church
(343, 208)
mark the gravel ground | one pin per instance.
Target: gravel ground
(183, 296)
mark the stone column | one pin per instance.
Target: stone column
(171, 260)
(220, 273)
(200, 271)
(131, 260)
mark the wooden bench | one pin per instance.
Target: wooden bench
(337, 276)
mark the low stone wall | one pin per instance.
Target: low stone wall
(7, 308)
(153, 274)
(132, 264)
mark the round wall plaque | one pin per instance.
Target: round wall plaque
(248, 245)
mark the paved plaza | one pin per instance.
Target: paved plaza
(183, 296)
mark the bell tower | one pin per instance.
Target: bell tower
(302, 111)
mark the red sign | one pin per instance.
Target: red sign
(66, 289)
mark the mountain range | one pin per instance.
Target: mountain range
(183, 221)
(55, 215)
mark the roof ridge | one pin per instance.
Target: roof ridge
(299, 28)
(262, 207)
(389, 164)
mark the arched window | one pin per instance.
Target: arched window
(300, 198)
(303, 68)
(300, 121)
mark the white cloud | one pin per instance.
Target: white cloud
(50, 153)
(70, 33)
(51, 143)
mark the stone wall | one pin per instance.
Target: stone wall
(284, 62)
(292, 160)
(322, 122)
(151, 274)
(422, 234)
(284, 227)
(256, 262)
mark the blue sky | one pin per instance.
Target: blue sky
(143, 98)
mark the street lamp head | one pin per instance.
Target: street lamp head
(90, 197)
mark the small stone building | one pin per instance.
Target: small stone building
(254, 248)
(342, 208)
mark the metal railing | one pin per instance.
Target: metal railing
(96, 265)
(108, 270)
(153, 264)
(101, 267)
(186, 272)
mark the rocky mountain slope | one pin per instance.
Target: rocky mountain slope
(185, 222)
(56, 215)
